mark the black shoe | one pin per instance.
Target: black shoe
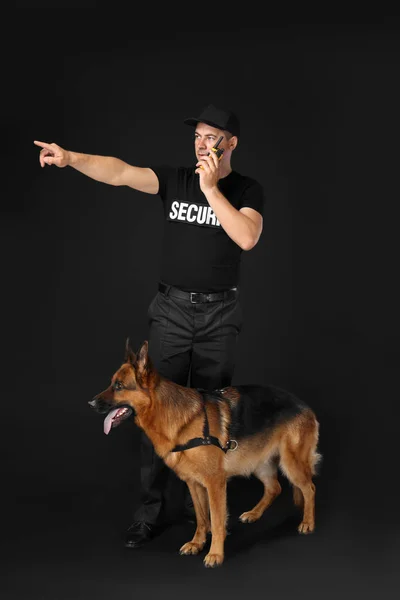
(140, 532)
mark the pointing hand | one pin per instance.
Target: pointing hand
(51, 154)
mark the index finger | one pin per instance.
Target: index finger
(43, 145)
(212, 158)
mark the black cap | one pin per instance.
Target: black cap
(217, 117)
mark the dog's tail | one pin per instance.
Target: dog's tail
(316, 462)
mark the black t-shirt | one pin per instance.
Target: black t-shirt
(197, 254)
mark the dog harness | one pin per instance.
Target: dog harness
(207, 439)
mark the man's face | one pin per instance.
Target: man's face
(204, 139)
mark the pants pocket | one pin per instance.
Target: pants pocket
(150, 310)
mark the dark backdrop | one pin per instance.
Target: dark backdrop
(319, 104)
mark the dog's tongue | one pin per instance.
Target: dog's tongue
(108, 420)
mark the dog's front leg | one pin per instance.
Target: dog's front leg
(217, 498)
(200, 503)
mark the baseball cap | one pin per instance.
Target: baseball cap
(217, 117)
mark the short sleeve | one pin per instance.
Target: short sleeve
(253, 197)
(164, 174)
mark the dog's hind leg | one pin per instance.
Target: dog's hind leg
(200, 503)
(297, 459)
(267, 474)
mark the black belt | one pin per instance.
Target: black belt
(196, 297)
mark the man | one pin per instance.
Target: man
(212, 213)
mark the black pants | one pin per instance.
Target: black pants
(194, 345)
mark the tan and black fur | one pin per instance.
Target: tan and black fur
(271, 426)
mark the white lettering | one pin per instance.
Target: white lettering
(189, 218)
(193, 213)
(182, 211)
(211, 217)
(174, 213)
(201, 216)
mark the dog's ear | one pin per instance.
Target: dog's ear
(143, 364)
(142, 355)
(130, 356)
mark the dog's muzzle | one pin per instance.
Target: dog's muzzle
(114, 414)
(100, 405)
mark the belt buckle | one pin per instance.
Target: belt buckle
(192, 294)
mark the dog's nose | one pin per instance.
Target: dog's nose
(92, 403)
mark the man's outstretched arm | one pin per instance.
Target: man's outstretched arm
(106, 169)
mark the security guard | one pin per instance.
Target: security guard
(211, 214)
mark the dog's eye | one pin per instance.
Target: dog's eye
(118, 385)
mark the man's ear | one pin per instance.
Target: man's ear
(233, 142)
(130, 356)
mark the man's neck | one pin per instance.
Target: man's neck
(225, 171)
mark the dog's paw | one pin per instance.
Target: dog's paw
(213, 560)
(306, 527)
(249, 517)
(191, 548)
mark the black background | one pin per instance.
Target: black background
(319, 105)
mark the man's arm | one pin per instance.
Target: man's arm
(106, 169)
(243, 226)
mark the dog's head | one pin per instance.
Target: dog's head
(129, 391)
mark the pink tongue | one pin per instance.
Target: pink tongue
(108, 420)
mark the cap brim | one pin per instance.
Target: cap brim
(193, 122)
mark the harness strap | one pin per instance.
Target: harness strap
(207, 439)
(206, 427)
(204, 441)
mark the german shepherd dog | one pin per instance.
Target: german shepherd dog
(206, 437)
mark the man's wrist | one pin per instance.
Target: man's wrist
(72, 158)
(213, 192)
